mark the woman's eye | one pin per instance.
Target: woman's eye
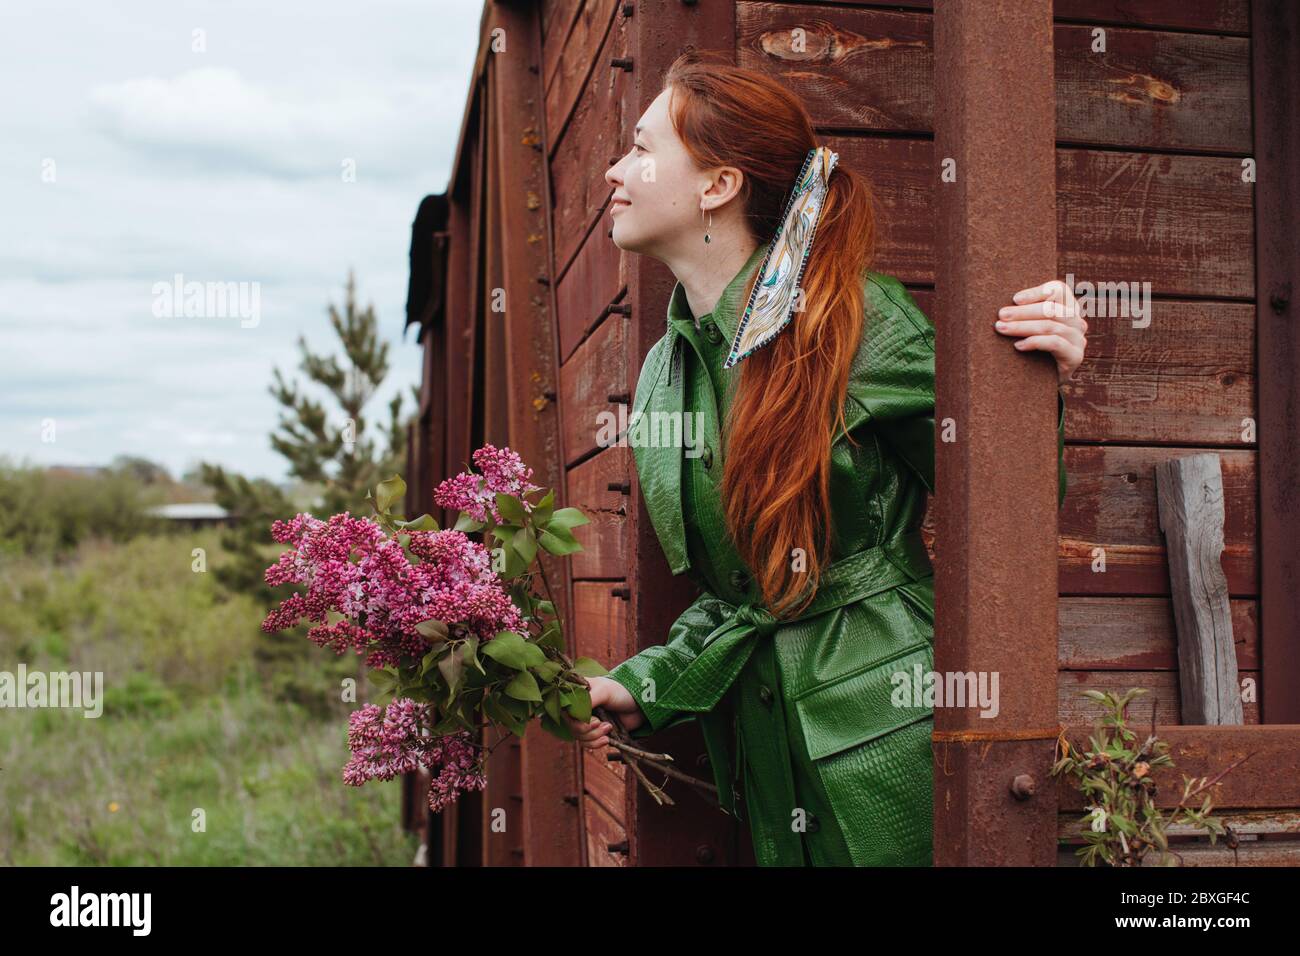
(638, 146)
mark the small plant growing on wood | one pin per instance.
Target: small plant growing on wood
(454, 633)
(1123, 823)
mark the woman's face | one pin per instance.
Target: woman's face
(657, 188)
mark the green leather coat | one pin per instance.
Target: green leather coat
(803, 737)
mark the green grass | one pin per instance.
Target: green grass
(202, 712)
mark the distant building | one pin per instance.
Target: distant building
(199, 514)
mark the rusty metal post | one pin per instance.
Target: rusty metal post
(996, 572)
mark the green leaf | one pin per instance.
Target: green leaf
(431, 658)
(469, 653)
(433, 630)
(557, 728)
(383, 679)
(452, 668)
(552, 635)
(589, 667)
(511, 508)
(580, 706)
(552, 703)
(465, 523)
(423, 523)
(543, 510)
(547, 671)
(566, 518)
(525, 544)
(556, 545)
(515, 565)
(389, 491)
(513, 651)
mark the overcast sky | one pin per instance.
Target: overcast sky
(128, 157)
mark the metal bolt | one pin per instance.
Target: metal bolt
(1023, 786)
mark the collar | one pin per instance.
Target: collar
(725, 313)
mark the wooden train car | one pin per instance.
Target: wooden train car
(1157, 144)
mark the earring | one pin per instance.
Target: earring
(707, 238)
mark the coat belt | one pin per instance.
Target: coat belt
(726, 650)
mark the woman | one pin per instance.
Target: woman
(797, 506)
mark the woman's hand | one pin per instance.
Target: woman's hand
(615, 698)
(1048, 316)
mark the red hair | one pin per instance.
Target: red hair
(790, 394)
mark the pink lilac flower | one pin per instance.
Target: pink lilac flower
(502, 471)
(351, 567)
(387, 743)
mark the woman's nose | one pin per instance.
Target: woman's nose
(611, 175)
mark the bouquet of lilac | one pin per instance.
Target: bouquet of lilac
(453, 632)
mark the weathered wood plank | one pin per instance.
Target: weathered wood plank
(606, 838)
(1189, 491)
(605, 780)
(595, 279)
(1186, 377)
(593, 388)
(1182, 223)
(595, 136)
(1071, 825)
(1153, 89)
(1110, 540)
(606, 546)
(600, 622)
(872, 69)
(1137, 633)
(1074, 708)
(1268, 779)
(570, 70)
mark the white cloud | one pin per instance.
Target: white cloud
(223, 166)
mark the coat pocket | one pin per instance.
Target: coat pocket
(861, 706)
(870, 747)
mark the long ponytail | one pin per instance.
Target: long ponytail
(789, 398)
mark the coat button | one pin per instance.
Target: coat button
(707, 457)
(765, 695)
(739, 580)
(712, 332)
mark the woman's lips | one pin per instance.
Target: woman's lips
(616, 205)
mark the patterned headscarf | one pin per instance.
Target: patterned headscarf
(775, 296)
